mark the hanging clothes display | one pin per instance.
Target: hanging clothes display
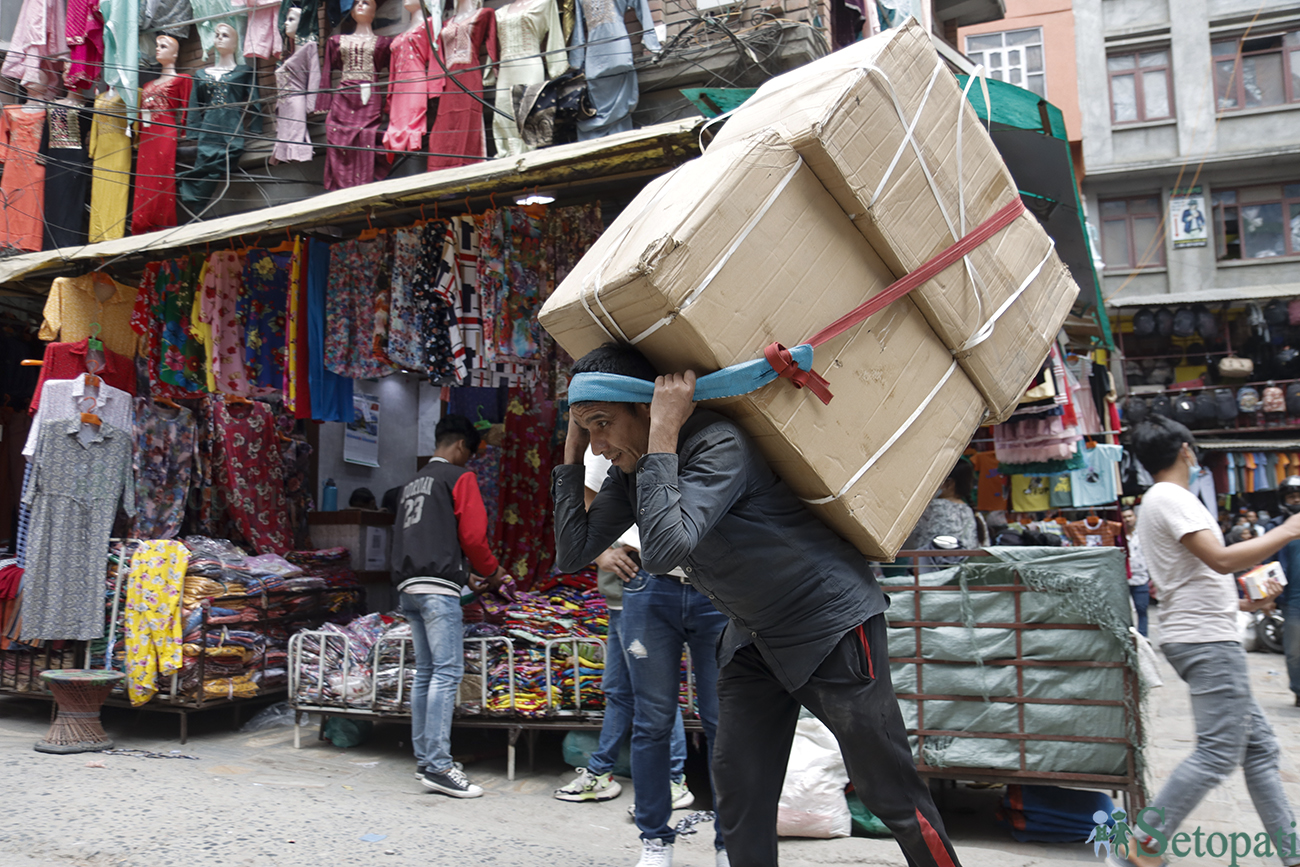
(261, 307)
(405, 342)
(248, 464)
(331, 394)
(92, 305)
(1096, 483)
(219, 311)
(62, 399)
(162, 120)
(510, 284)
(456, 138)
(67, 360)
(352, 126)
(601, 48)
(1093, 532)
(354, 269)
(67, 174)
(463, 249)
(164, 454)
(85, 31)
(434, 293)
(122, 49)
(211, 10)
(221, 103)
(162, 317)
(262, 38)
(39, 36)
(297, 80)
(523, 28)
(79, 475)
(110, 151)
(526, 541)
(412, 71)
(164, 16)
(22, 186)
(153, 627)
(296, 461)
(297, 388)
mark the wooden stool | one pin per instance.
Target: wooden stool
(80, 693)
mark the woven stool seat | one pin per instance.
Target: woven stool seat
(80, 694)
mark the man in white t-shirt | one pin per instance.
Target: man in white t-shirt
(1197, 629)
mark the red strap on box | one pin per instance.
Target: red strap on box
(786, 368)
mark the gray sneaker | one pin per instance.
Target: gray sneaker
(451, 782)
(589, 787)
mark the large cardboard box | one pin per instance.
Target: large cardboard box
(743, 247)
(914, 185)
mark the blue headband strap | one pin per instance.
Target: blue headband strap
(729, 382)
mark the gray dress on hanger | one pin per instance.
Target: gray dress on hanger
(600, 46)
(79, 474)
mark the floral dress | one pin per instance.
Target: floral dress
(261, 307)
(224, 329)
(350, 309)
(162, 317)
(164, 463)
(248, 466)
(153, 616)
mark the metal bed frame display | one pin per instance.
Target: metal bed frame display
(1130, 782)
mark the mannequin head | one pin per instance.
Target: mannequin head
(292, 18)
(414, 8)
(38, 91)
(363, 12)
(167, 49)
(225, 39)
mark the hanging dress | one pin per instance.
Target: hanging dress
(522, 28)
(110, 183)
(296, 79)
(85, 44)
(601, 48)
(352, 127)
(410, 76)
(67, 175)
(219, 106)
(122, 49)
(263, 36)
(22, 187)
(457, 135)
(162, 118)
(39, 36)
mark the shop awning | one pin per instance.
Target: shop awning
(646, 151)
(1207, 296)
(1030, 134)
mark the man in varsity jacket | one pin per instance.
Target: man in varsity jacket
(440, 548)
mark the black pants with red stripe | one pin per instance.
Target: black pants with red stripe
(852, 693)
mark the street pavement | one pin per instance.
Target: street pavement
(252, 800)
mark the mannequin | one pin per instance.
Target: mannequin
(208, 29)
(457, 135)
(607, 62)
(162, 113)
(308, 29)
(67, 171)
(522, 29)
(296, 79)
(352, 126)
(223, 97)
(110, 149)
(22, 188)
(413, 71)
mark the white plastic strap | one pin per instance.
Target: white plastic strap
(911, 419)
(726, 256)
(986, 330)
(909, 138)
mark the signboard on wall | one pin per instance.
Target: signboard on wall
(1188, 224)
(361, 439)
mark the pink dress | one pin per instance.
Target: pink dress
(297, 79)
(40, 34)
(262, 38)
(222, 282)
(85, 43)
(410, 76)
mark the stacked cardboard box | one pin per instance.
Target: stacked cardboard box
(751, 244)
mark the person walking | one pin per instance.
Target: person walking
(439, 543)
(1138, 577)
(806, 618)
(1288, 502)
(1192, 569)
(615, 566)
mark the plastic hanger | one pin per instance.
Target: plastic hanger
(91, 418)
(93, 342)
(239, 399)
(167, 402)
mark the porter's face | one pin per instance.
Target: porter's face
(620, 432)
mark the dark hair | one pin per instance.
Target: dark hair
(456, 427)
(1157, 441)
(963, 477)
(618, 359)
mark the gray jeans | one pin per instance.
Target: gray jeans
(1231, 732)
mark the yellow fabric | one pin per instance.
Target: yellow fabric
(76, 303)
(291, 350)
(153, 622)
(110, 150)
(240, 686)
(1030, 493)
(202, 332)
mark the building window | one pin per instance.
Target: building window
(1014, 56)
(1132, 234)
(1140, 86)
(1258, 222)
(1257, 71)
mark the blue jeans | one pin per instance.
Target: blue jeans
(438, 638)
(619, 708)
(1141, 602)
(1291, 639)
(660, 614)
(1231, 733)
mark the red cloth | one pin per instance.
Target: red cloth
(155, 173)
(353, 124)
(249, 472)
(9, 578)
(457, 132)
(85, 42)
(472, 526)
(68, 361)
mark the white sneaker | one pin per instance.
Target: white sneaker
(722, 859)
(682, 797)
(589, 787)
(655, 853)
